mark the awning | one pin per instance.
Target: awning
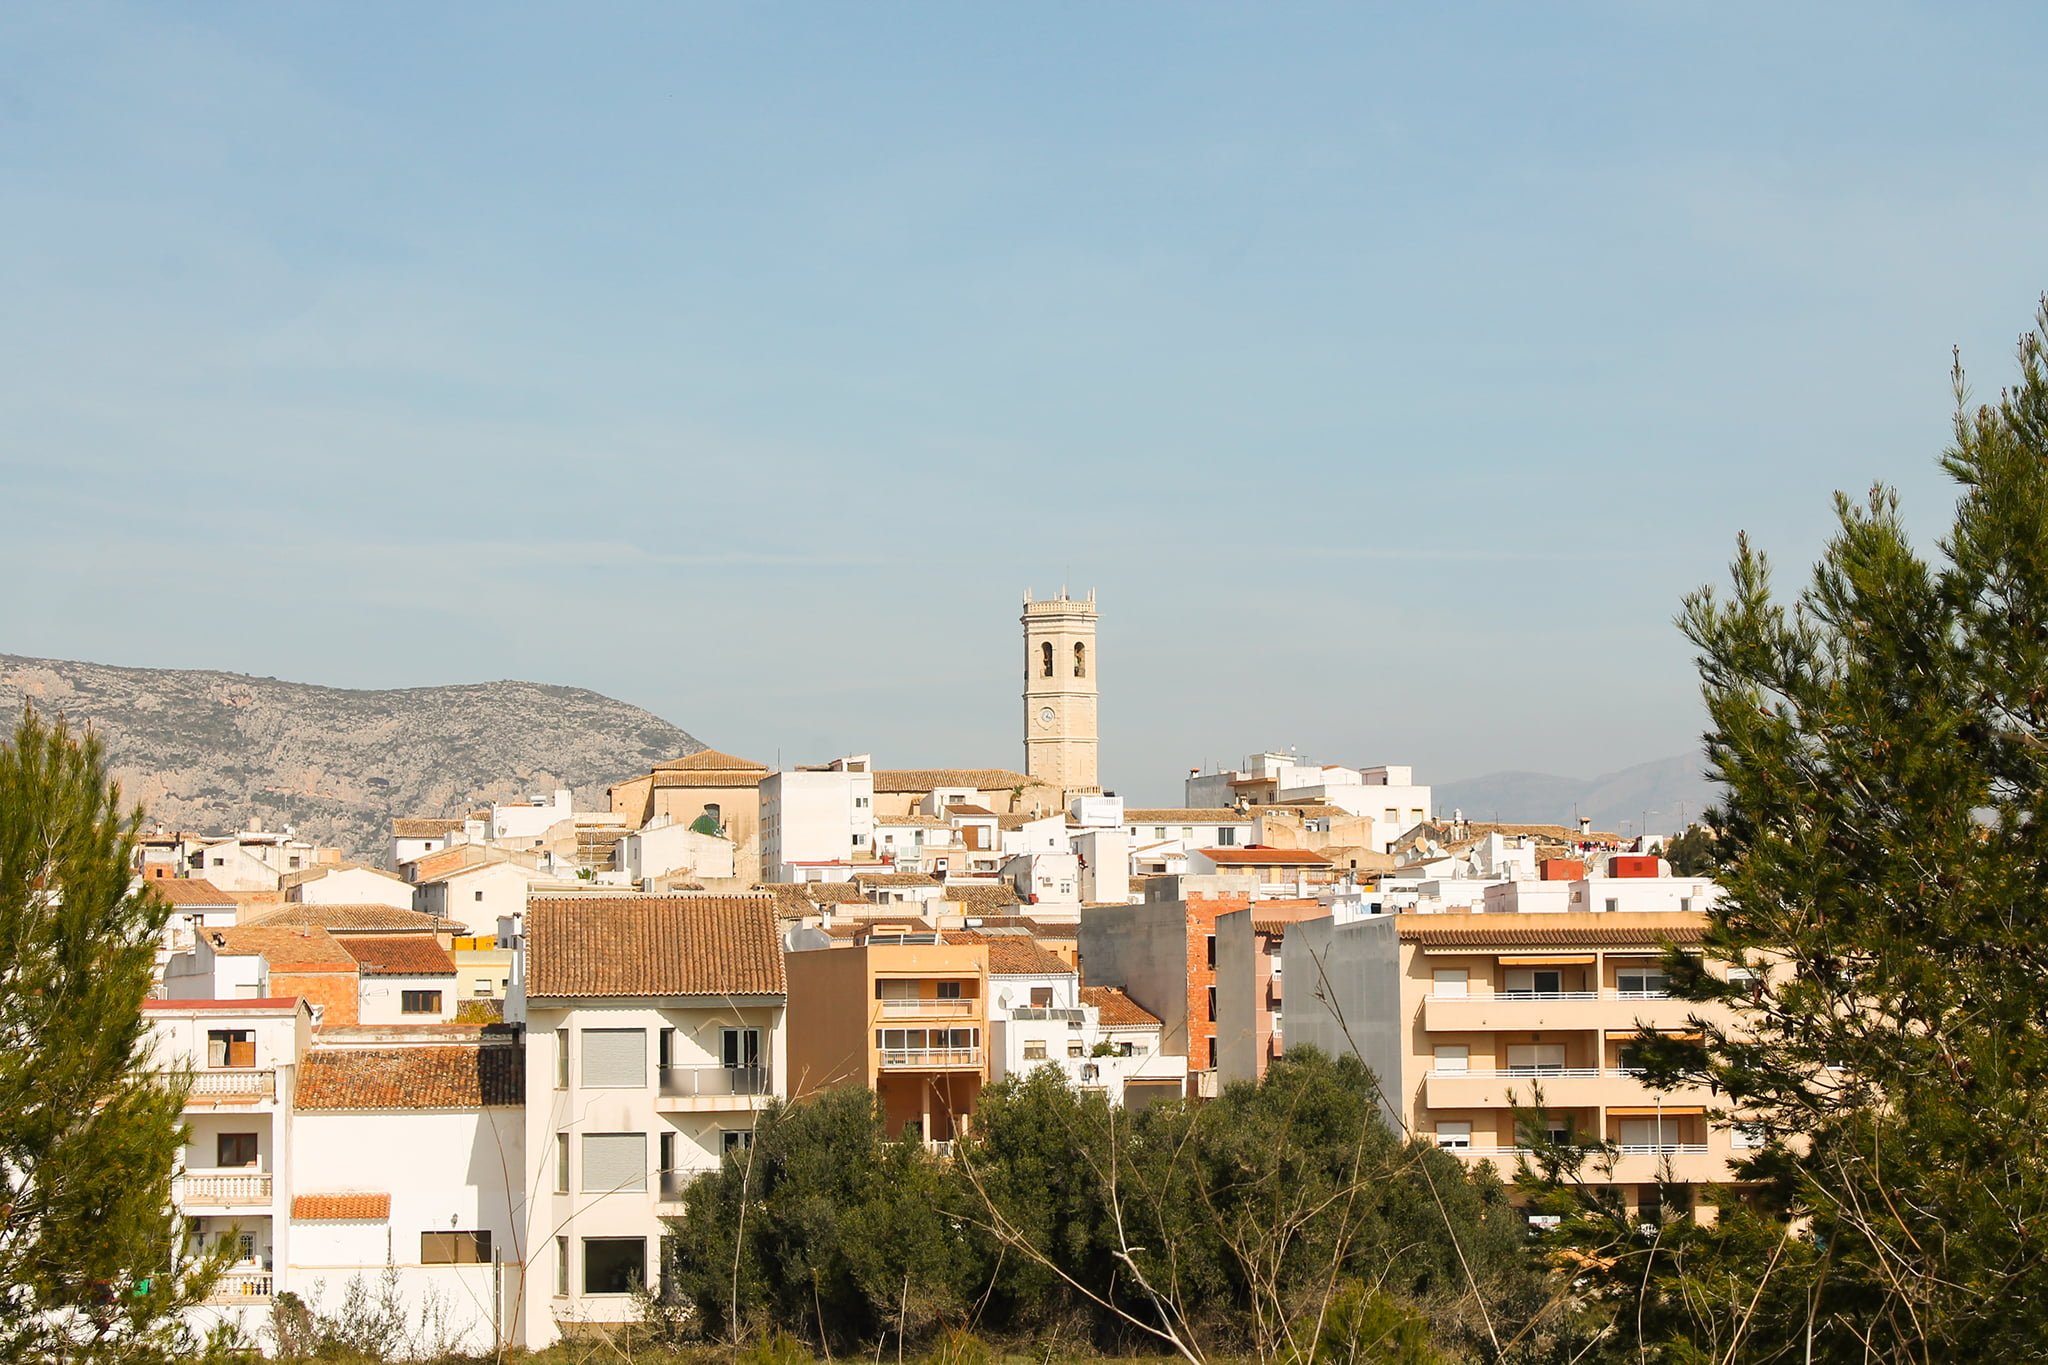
(1651, 1111)
(1571, 960)
(1626, 1035)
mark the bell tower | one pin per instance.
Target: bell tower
(1060, 692)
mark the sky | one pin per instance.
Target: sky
(1390, 372)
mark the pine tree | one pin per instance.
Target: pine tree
(1884, 850)
(88, 1129)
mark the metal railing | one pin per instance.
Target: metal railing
(689, 1082)
(240, 1286)
(894, 1057)
(1538, 1072)
(673, 1185)
(237, 1085)
(1552, 995)
(222, 1187)
(1029, 1012)
(1623, 1149)
(947, 1008)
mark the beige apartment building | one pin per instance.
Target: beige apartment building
(902, 1012)
(1464, 1016)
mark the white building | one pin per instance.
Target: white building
(1040, 1016)
(817, 815)
(657, 1032)
(666, 846)
(417, 837)
(526, 823)
(348, 884)
(479, 895)
(1388, 795)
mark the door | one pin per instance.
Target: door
(1450, 983)
(1534, 1059)
(1452, 1059)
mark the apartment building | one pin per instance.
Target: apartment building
(1162, 954)
(656, 1032)
(1250, 1000)
(1041, 1016)
(902, 1012)
(818, 814)
(1387, 795)
(1464, 1016)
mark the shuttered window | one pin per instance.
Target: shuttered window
(614, 1161)
(614, 1058)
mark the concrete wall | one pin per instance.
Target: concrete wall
(354, 886)
(1237, 1007)
(1144, 950)
(1344, 995)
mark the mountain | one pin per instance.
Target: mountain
(208, 751)
(1672, 790)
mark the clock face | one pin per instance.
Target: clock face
(1045, 715)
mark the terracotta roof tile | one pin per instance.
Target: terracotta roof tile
(1013, 955)
(978, 900)
(894, 879)
(962, 808)
(1186, 815)
(421, 1076)
(653, 946)
(285, 948)
(399, 955)
(710, 760)
(924, 779)
(1117, 1009)
(424, 827)
(430, 866)
(1593, 929)
(1257, 856)
(382, 918)
(341, 1208)
(192, 892)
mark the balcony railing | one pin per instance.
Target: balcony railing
(1552, 995)
(234, 1085)
(223, 1187)
(240, 1286)
(1617, 1073)
(947, 1008)
(673, 1184)
(907, 1057)
(688, 1082)
(1030, 1012)
(1623, 1149)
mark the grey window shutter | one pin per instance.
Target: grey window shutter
(614, 1058)
(614, 1161)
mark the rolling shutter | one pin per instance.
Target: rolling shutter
(614, 1161)
(614, 1058)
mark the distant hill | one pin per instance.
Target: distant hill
(207, 751)
(1672, 790)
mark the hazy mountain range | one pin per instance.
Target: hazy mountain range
(1670, 791)
(208, 751)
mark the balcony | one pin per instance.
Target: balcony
(1563, 1088)
(931, 1009)
(1538, 1010)
(211, 1089)
(929, 1058)
(695, 1088)
(1685, 1162)
(241, 1286)
(220, 1189)
(1071, 1017)
(674, 1185)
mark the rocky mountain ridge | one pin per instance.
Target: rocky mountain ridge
(203, 750)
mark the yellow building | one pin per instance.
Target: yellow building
(903, 1013)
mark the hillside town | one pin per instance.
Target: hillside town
(560, 1017)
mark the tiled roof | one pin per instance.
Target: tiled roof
(341, 1208)
(192, 892)
(976, 900)
(1117, 1009)
(924, 779)
(1593, 929)
(314, 874)
(399, 955)
(421, 1076)
(710, 760)
(442, 861)
(1013, 955)
(286, 949)
(912, 821)
(894, 879)
(1186, 815)
(1255, 856)
(856, 929)
(653, 946)
(382, 918)
(1046, 931)
(963, 808)
(424, 828)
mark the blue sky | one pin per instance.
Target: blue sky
(1391, 374)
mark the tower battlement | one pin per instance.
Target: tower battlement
(1060, 692)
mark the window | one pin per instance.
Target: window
(1449, 983)
(1685, 905)
(1454, 1136)
(860, 803)
(1034, 1050)
(1073, 1049)
(1041, 997)
(235, 1149)
(562, 1267)
(455, 1248)
(1746, 1137)
(667, 1150)
(614, 1265)
(1643, 982)
(1159, 831)
(1212, 952)
(561, 1059)
(1212, 1054)
(1535, 1059)
(419, 1002)
(1393, 815)
(1613, 905)
(614, 1162)
(561, 1163)
(231, 1047)
(614, 1058)
(735, 1139)
(1226, 837)
(949, 990)
(482, 987)
(1452, 1059)
(1045, 659)
(740, 1048)
(479, 895)
(292, 863)
(860, 841)
(1080, 660)
(1212, 1004)
(1527, 984)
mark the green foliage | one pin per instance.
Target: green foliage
(88, 1131)
(1884, 742)
(1364, 1326)
(776, 1348)
(1696, 852)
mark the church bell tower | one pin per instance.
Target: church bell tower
(1060, 692)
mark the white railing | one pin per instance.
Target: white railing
(1662, 1149)
(222, 1187)
(689, 1082)
(930, 1056)
(1553, 995)
(1509, 1073)
(238, 1085)
(1030, 1012)
(1638, 995)
(932, 1007)
(240, 1286)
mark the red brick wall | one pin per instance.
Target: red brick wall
(336, 991)
(1202, 913)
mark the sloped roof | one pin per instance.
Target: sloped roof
(285, 948)
(192, 892)
(1258, 856)
(653, 946)
(924, 779)
(1117, 1009)
(424, 827)
(894, 879)
(442, 861)
(1592, 928)
(422, 1076)
(348, 918)
(1186, 815)
(710, 760)
(976, 900)
(1013, 955)
(399, 955)
(340, 1208)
